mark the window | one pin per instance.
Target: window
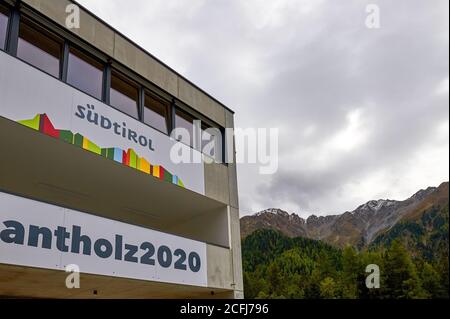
(156, 113)
(39, 48)
(3, 27)
(211, 137)
(85, 73)
(124, 95)
(211, 142)
(183, 120)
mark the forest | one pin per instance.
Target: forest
(412, 258)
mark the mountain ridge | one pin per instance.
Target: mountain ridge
(357, 228)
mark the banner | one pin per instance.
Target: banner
(41, 235)
(49, 106)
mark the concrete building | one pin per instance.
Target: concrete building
(87, 170)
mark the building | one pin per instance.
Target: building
(87, 170)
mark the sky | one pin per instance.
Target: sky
(362, 113)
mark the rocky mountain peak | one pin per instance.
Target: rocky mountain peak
(358, 226)
(375, 205)
(421, 194)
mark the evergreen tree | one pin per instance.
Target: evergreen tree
(274, 279)
(401, 276)
(443, 271)
(431, 280)
(351, 271)
(328, 288)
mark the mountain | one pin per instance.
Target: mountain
(360, 227)
(285, 256)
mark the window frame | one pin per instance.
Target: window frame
(6, 11)
(184, 114)
(219, 151)
(126, 79)
(90, 57)
(205, 123)
(45, 32)
(168, 105)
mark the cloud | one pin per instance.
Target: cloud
(361, 112)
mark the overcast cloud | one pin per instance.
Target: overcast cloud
(363, 113)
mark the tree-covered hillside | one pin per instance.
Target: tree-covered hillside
(412, 257)
(425, 235)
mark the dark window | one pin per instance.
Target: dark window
(124, 95)
(211, 141)
(3, 27)
(183, 120)
(156, 113)
(85, 73)
(39, 48)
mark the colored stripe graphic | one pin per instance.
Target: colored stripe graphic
(46, 127)
(156, 171)
(130, 158)
(33, 123)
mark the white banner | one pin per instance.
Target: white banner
(41, 235)
(52, 107)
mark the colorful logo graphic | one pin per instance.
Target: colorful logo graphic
(42, 123)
